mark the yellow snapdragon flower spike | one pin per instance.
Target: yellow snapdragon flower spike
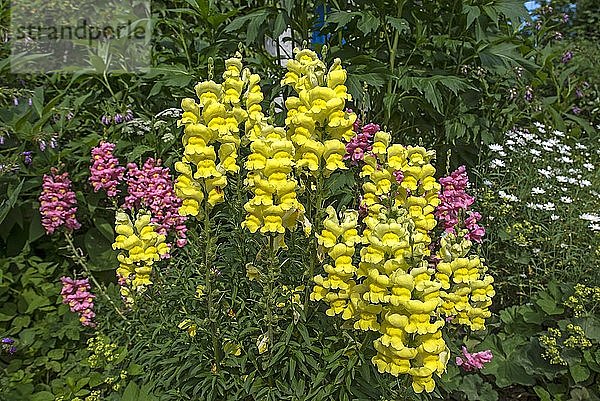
(274, 206)
(211, 139)
(467, 290)
(338, 240)
(394, 291)
(140, 246)
(317, 120)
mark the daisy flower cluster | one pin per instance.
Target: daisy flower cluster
(541, 183)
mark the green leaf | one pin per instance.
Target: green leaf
(368, 23)
(10, 201)
(131, 392)
(135, 369)
(56, 353)
(579, 373)
(341, 18)
(280, 26)
(473, 12)
(105, 228)
(542, 393)
(399, 24)
(42, 396)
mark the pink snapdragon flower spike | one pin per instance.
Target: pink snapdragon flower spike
(76, 294)
(151, 187)
(361, 143)
(105, 172)
(58, 203)
(470, 362)
(475, 231)
(456, 202)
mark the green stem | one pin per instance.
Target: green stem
(269, 296)
(316, 210)
(208, 281)
(394, 47)
(80, 260)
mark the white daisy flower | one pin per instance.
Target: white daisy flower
(554, 217)
(494, 147)
(589, 166)
(594, 218)
(549, 206)
(566, 199)
(507, 197)
(537, 191)
(497, 163)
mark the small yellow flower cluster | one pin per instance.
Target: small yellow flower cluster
(577, 337)
(338, 240)
(411, 167)
(102, 351)
(316, 119)
(583, 299)
(274, 206)
(214, 120)
(93, 396)
(140, 247)
(551, 348)
(467, 290)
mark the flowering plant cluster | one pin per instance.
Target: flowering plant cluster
(386, 270)
(58, 204)
(140, 245)
(396, 290)
(105, 172)
(540, 189)
(76, 293)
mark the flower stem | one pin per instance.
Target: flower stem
(80, 260)
(209, 289)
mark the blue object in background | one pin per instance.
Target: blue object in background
(531, 5)
(317, 37)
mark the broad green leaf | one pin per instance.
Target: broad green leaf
(579, 373)
(368, 23)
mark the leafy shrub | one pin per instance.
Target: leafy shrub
(548, 348)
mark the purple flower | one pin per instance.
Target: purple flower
(129, 115)
(528, 94)
(2, 139)
(28, 158)
(42, 145)
(558, 35)
(29, 101)
(576, 110)
(565, 18)
(566, 57)
(578, 93)
(118, 118)
(473, 361)
(7, 345)
(361, 143)
(53, 142)
(106, 120)
(70, 115)
(15, 101)
(399, 176)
